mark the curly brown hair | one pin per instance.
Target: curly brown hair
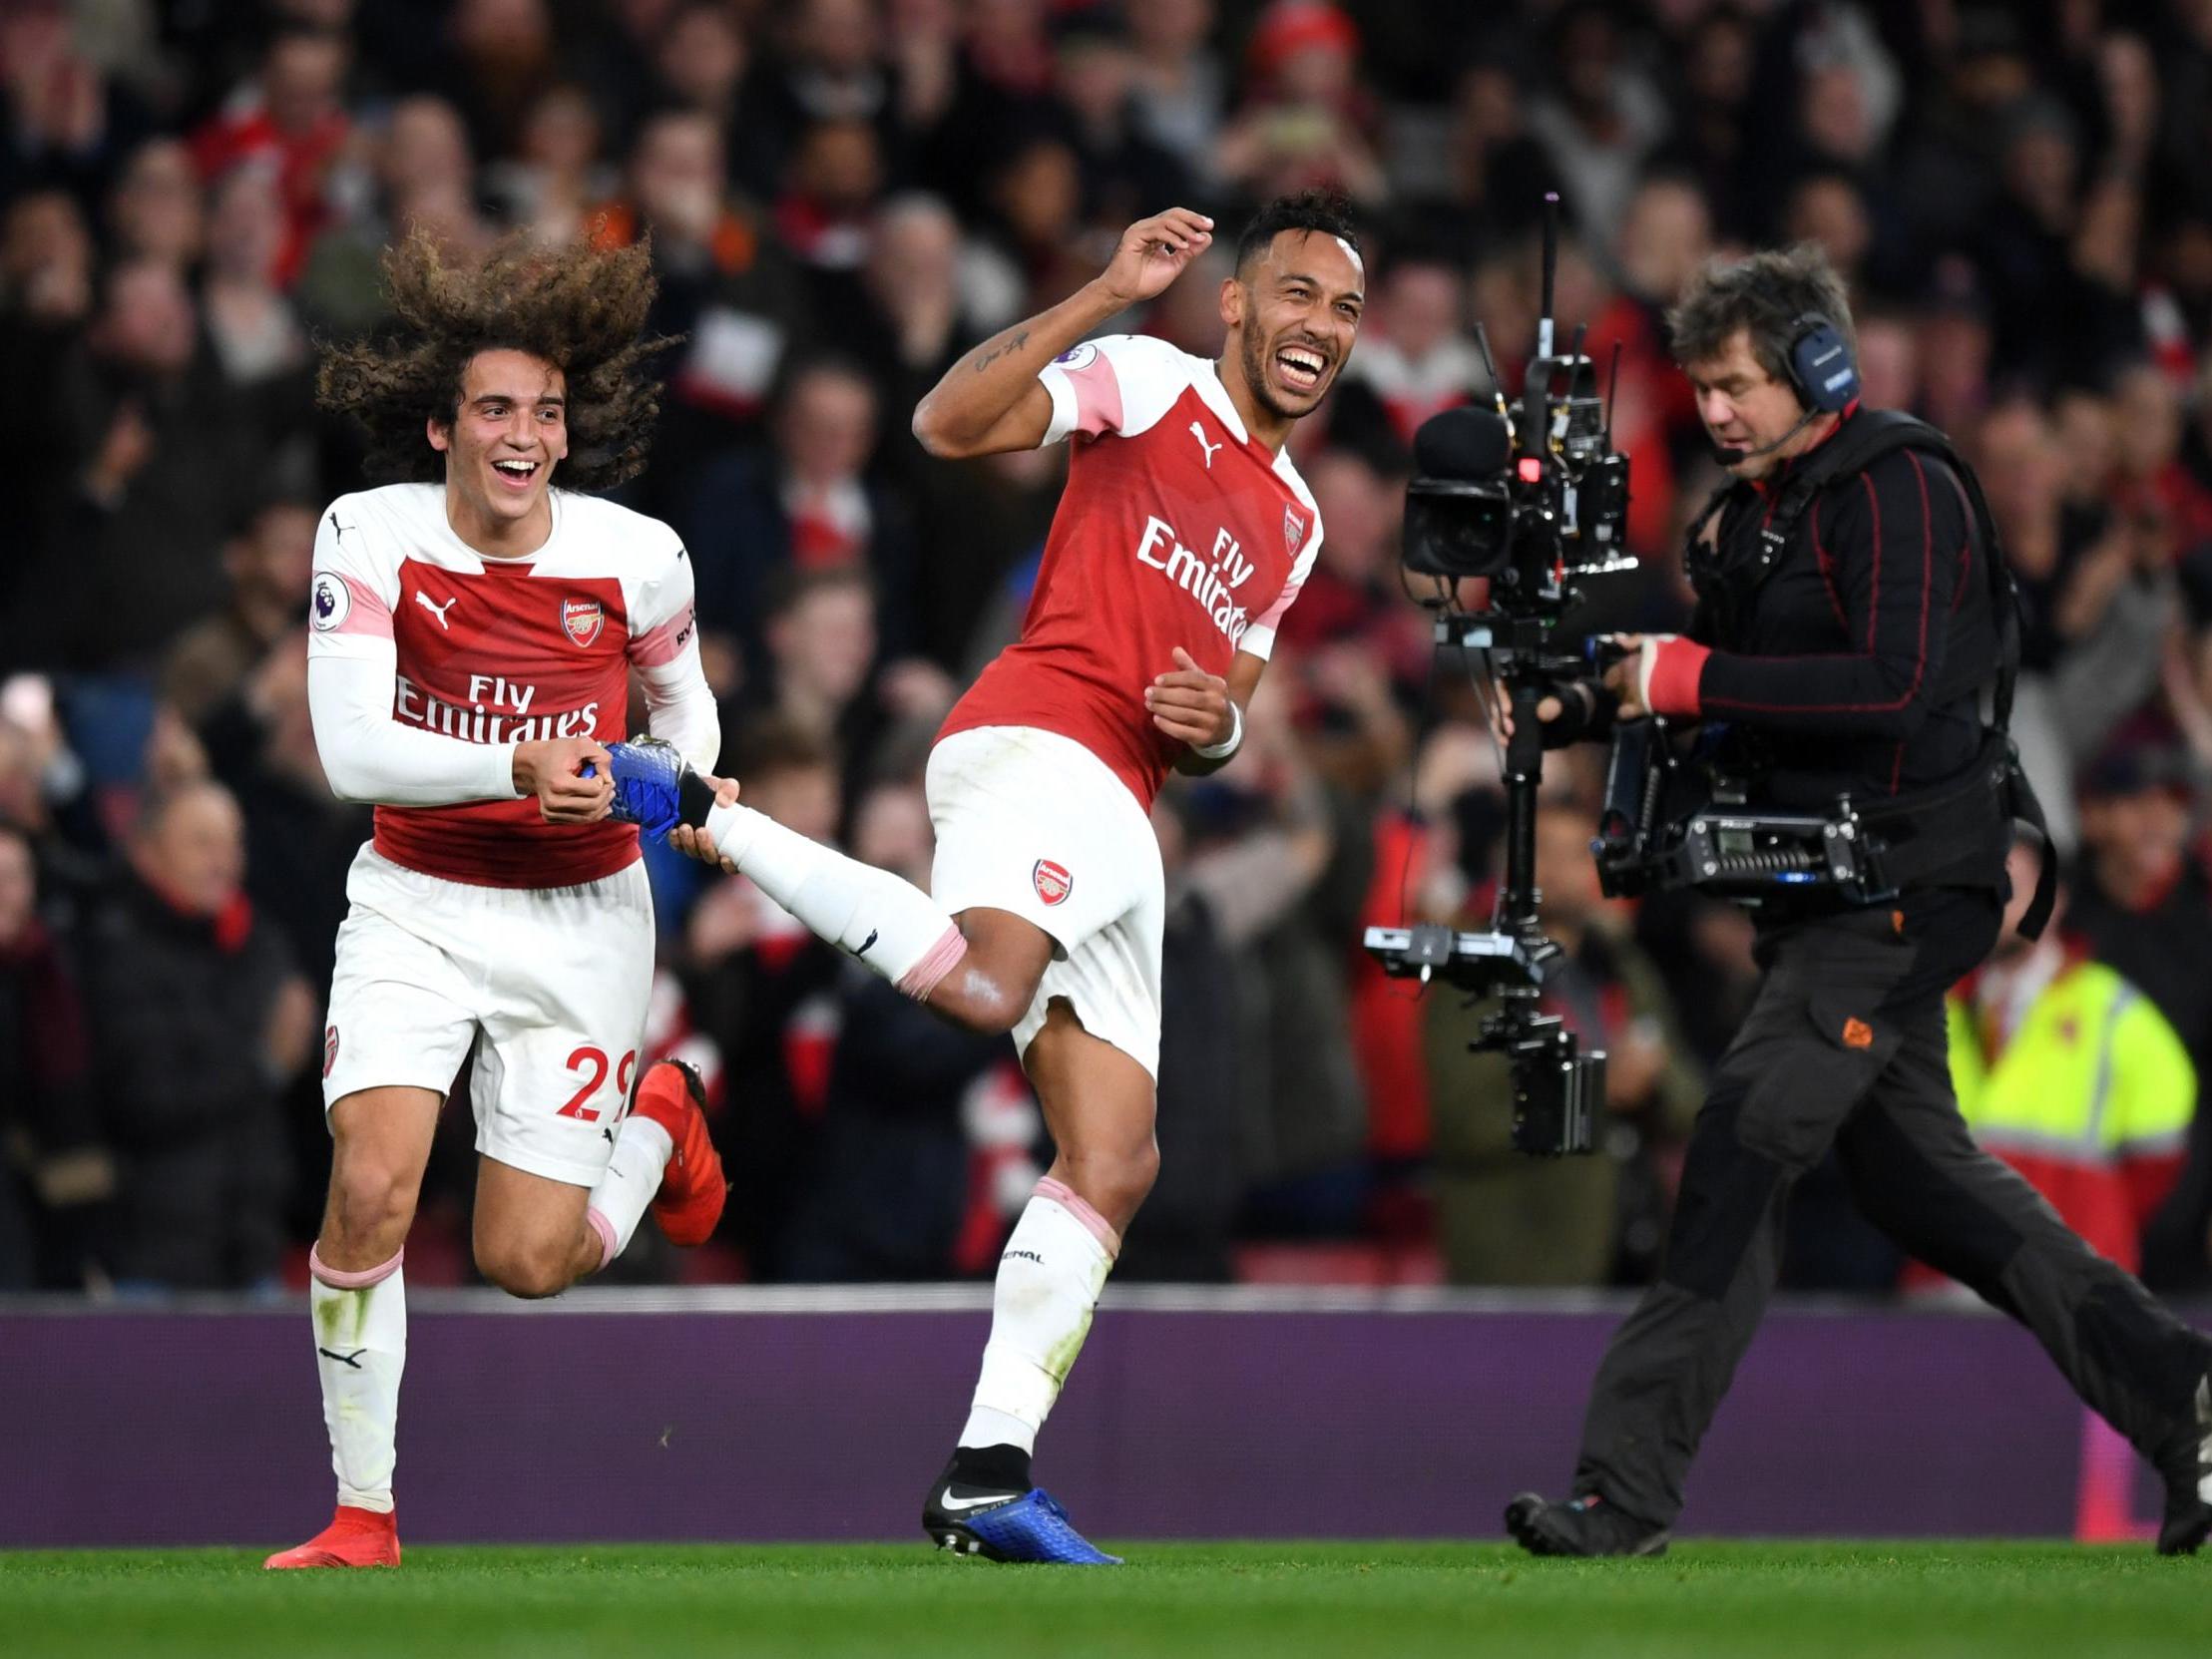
(580, 308)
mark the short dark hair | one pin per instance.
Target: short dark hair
(1764, 294)
(1328, 211)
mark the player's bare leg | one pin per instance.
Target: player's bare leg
(1099, 1103)
(993, 980)
(380, 1140)
(530, 1236)
(1101, 1106)
(535, 1237)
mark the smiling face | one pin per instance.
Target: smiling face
(508, 435)
(1293, 313)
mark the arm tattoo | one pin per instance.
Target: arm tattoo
(1013, 342)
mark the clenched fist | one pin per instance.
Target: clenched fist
(1190, 705)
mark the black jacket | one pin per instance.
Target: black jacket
(1855, 665)
(181, 1009)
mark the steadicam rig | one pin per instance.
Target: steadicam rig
(1529, 505)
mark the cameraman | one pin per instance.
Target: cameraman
(1848, 618)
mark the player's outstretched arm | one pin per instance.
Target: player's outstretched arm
(990, 400)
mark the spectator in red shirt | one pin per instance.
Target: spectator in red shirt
(293, 117)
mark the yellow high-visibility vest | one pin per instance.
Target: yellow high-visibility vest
(2094, 1073)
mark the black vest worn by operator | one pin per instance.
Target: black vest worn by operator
(1762, 590)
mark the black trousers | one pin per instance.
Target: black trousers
(1844, 1044)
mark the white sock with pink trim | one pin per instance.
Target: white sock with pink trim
(891, 925)
(1049, 1275)
(360, 1350)
(633, 1175)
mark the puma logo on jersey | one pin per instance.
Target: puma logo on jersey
(436, 609)
(1199, 432)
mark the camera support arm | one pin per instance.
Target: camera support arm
(1557, 1089)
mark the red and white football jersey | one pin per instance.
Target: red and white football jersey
(1175, 529)
(500, 651)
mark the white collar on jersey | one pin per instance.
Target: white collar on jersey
(439, 529)
(1217, 397)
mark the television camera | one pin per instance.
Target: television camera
(1528, 503)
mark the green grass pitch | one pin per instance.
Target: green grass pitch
(1273, 1600)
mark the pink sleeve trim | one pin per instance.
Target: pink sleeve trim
(338, 1279)
(1675, 672)
(608, 1248)
(1097, 392)
(368, 613)
(657, 646)
(1069, 1199)
(1274, 616)
(941, 959)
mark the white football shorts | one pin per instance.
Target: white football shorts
(549, 985)
(1032, 822)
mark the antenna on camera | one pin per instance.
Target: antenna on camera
(1496, 386)
(1551, 270)
(1612, 385)
(1536, 384)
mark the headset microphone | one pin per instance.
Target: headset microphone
(1729, 456)
(1820, 369)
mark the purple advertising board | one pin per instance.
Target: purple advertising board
(767, 1414)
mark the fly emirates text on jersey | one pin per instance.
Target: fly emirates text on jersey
(498, 712)
(1213, 584)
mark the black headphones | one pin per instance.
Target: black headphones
(1822, 370)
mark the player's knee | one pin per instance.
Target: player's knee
(1115, 1179)
(991, 986)
(532, 1273)
(371, 1205)
(987, 1013)
(1140, 1168)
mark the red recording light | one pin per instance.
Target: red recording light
(1530, 469)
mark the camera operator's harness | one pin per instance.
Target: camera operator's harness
(1864, 852)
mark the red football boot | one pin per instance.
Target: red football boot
(692, 1189)
(354, 1538)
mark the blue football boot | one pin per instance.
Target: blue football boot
(654, 787)
(1025, 1527)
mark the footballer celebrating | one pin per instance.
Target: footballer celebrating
(471, 635)
(1182, 539)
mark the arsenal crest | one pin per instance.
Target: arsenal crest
(329, 1051)
(1294, 530)
(582, 620)
(1052, 880)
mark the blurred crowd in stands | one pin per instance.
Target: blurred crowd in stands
(843, 196)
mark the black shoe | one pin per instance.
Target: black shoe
(1587, 1525)
(2188, 1473)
